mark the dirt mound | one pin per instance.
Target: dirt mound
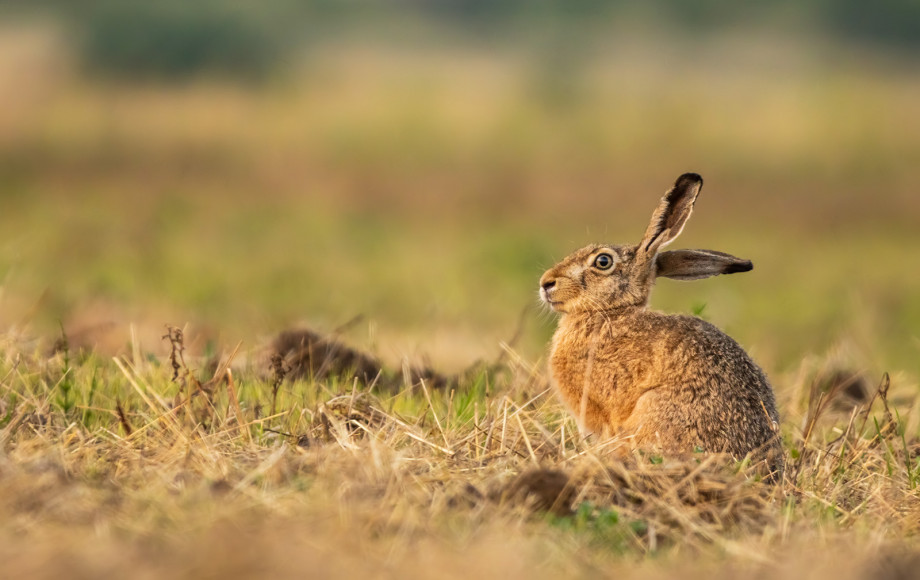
(305, 354)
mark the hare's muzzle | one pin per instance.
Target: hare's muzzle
(547, 288)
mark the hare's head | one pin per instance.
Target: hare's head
(604, 277)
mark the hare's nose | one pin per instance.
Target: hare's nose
(548, 285)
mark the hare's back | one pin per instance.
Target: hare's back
(694, 351)
(709, 390)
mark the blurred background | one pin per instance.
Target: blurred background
(244, 166)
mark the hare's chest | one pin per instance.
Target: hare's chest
(599, 372)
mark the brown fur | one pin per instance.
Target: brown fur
(666, 383)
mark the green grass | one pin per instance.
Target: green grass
(258, 266)
(431, 199)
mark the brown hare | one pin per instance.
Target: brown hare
(667, 383)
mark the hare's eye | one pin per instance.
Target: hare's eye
(603, 261)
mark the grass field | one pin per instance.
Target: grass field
(408, 204)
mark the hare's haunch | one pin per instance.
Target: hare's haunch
(663, 382)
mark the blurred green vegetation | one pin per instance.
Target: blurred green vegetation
(175, 40)
(428, 188)
(253, 266)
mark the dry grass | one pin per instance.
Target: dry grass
(128, 468)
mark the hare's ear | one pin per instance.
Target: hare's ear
(696, 264)
(672, 213)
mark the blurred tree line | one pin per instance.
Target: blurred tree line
(175, 39)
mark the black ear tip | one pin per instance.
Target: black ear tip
(739, 266)
(688, 179)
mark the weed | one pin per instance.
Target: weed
(66, 399)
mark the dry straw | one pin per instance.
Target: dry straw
(156, 455)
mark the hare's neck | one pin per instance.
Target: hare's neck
(586, 323)
(582, 328)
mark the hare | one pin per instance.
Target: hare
(668, 383)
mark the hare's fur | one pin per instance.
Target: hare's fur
(667, 383)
